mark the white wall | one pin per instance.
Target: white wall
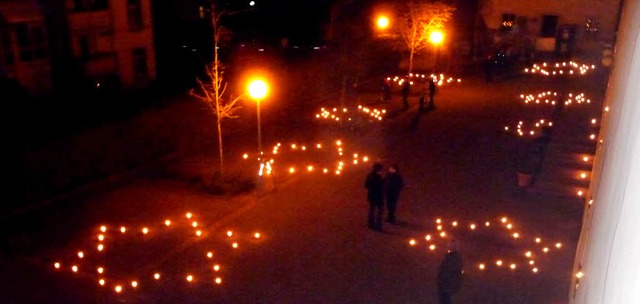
(608, 252)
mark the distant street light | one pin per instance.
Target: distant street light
(382, 22)
(258, 90)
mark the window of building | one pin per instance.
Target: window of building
(6, 51)
(140, 70)
(508, 22)
(549, 25)
(31, 42)
(88, 5)
(134, 15)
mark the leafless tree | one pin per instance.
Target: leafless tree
(422, 18)
(212, 90)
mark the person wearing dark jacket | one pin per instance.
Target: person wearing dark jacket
(375, 195)
(449, 274)
(393, 185)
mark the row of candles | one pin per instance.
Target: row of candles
(91, 263)
(526, 257)
(559, 68)
(336, 114)
(413, 78)
(267, 163)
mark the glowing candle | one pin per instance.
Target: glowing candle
(443, 234)
(134, 284)
(499, 262)
(538, 240)
(56, 265)
(535, 269)
(156, 276)
(455, 223)
(167, 223)
(216, 267)
(101, 237)
(101, 282)
(210, 254)
(412, 242)
(198, 233)
(100, 270)
(80, 254)
(472, 226)
(558, 245)
(427, 237)
(512, 266)
(118, 289)
(123, 229)
(579, 275)
(100, 247)
(74, 268)
(194, 224)
(545, 249)
(229, 233)
(504, 220)
(527, 254)
(145, 230)
(438, 221)
(189, 215)
(245, 156)
(516, 235)
(432, 247)
(190, 278)
(103, 228)
(218, 280)
(235, 245)
(481, 266)
(487, 224)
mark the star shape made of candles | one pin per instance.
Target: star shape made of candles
(105, 257)
(529, 251)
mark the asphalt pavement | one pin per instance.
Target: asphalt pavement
(304, 238)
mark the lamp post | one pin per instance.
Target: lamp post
(258, 90)
(436, 38)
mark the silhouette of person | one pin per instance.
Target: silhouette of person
(449, 273)
(432, 92)
(393, 185)
(375, 195)
(406, 88)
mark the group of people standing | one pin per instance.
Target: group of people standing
(426, 87)
(383, 189)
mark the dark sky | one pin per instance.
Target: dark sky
(300, 20)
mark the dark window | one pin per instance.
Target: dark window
(85, 48)
(6, 51)
(134, 15)
(549, 25)
(508, 21)
(140, 63)
(89, 5)
(31, 42)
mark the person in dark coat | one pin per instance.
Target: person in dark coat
(432, 93)
(393, 185)
(450, 274)
(406, 88)
(375, 195)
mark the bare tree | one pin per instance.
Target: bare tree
(420, 20)
(212, 90)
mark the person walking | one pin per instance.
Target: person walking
(393, 185)
(450, 273)
(375, 195)
(406, 88)
(432, 92)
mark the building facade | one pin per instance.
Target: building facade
(563, 27)
(88, 42)
(24, 47)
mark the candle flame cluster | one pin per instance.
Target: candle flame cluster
(551, 98)
(412, 78)
(94, 263)
(526, 257)
(559, 69)
(533, 130)
(317, 152)
(337, 115)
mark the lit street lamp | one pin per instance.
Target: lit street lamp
(436, 38)
(258, 90)
(382, 22)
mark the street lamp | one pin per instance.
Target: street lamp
(382, 22)
(258, 90)
(436, 38)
